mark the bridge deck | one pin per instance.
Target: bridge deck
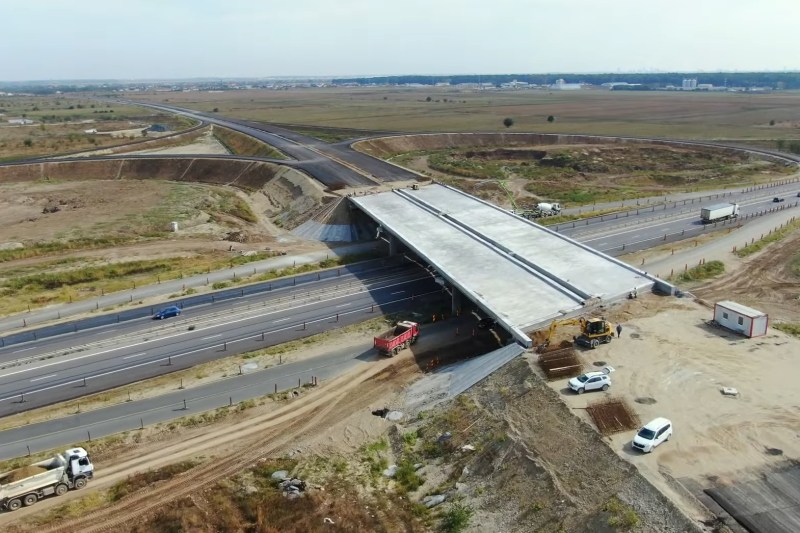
(519, 272)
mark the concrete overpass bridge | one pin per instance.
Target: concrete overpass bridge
(521, 274)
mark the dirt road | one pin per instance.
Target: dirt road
(234, 445)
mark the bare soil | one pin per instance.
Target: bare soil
(670, 363)
(768, 281)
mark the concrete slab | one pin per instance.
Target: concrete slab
(767, 505)
(522, 274)
(451, 380)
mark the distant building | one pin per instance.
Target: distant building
(561, 85)
(705, 86)
(689, 84)
(20, 121)
(514, 84)
(91, 131)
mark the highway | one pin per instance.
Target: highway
(336, 166)
(127, 416)
(640, 228)
(54, 370)
(167, 287)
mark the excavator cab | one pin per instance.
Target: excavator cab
(595, 326)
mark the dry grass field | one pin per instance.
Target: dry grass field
(60, 124)
(592, 111)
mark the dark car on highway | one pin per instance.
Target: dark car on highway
(167, 312)
(776, 199)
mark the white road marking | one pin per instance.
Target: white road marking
(24, 349)
(162, 339)
(104, 331)
(135, 355)
(282, 320)
(127, 368)
(211, 337)
(343, 305)
(44, 377)
(397, 292)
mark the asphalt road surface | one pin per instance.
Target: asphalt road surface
(57, 312)
(228, 391)
(335, 166)
(55, 371)
(647, 226)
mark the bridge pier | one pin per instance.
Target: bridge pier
(455, 303)
(394, 245)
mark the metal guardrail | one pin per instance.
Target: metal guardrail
(652, 207)
(188, 301)
(638, 246)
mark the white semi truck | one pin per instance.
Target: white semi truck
(27, 485)
(717, 212)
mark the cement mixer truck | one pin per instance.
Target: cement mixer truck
(27, 485)
(541, 210)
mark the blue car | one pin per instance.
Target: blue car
(167, 312)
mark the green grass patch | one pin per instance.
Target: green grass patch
(56, 280)
(326, 135)
(700, 272)
(374, 457)
(52, 247)
(775, 236)
(240, 144)
(623, 517)
(231, 204)
(406, 476)
(560, 219)
(791, 329)
(456, 518)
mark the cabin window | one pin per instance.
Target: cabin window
(741, 320)
(725, 315)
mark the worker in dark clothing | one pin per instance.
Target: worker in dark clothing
(619, 330)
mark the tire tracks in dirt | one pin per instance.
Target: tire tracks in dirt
(252, 439)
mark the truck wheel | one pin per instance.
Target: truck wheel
(80, 483)
(29, 499)
(14, 504)
(594, 343)
(413, 340)
(61, 489)
(607, 339)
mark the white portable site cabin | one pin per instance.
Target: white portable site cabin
(741, 319)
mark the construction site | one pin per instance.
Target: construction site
(449, 404)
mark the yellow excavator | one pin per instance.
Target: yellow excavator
(593, 331)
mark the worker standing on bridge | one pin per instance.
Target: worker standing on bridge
(619, 330)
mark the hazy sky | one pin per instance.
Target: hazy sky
(129, 39)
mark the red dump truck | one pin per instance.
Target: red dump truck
(401, 336)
